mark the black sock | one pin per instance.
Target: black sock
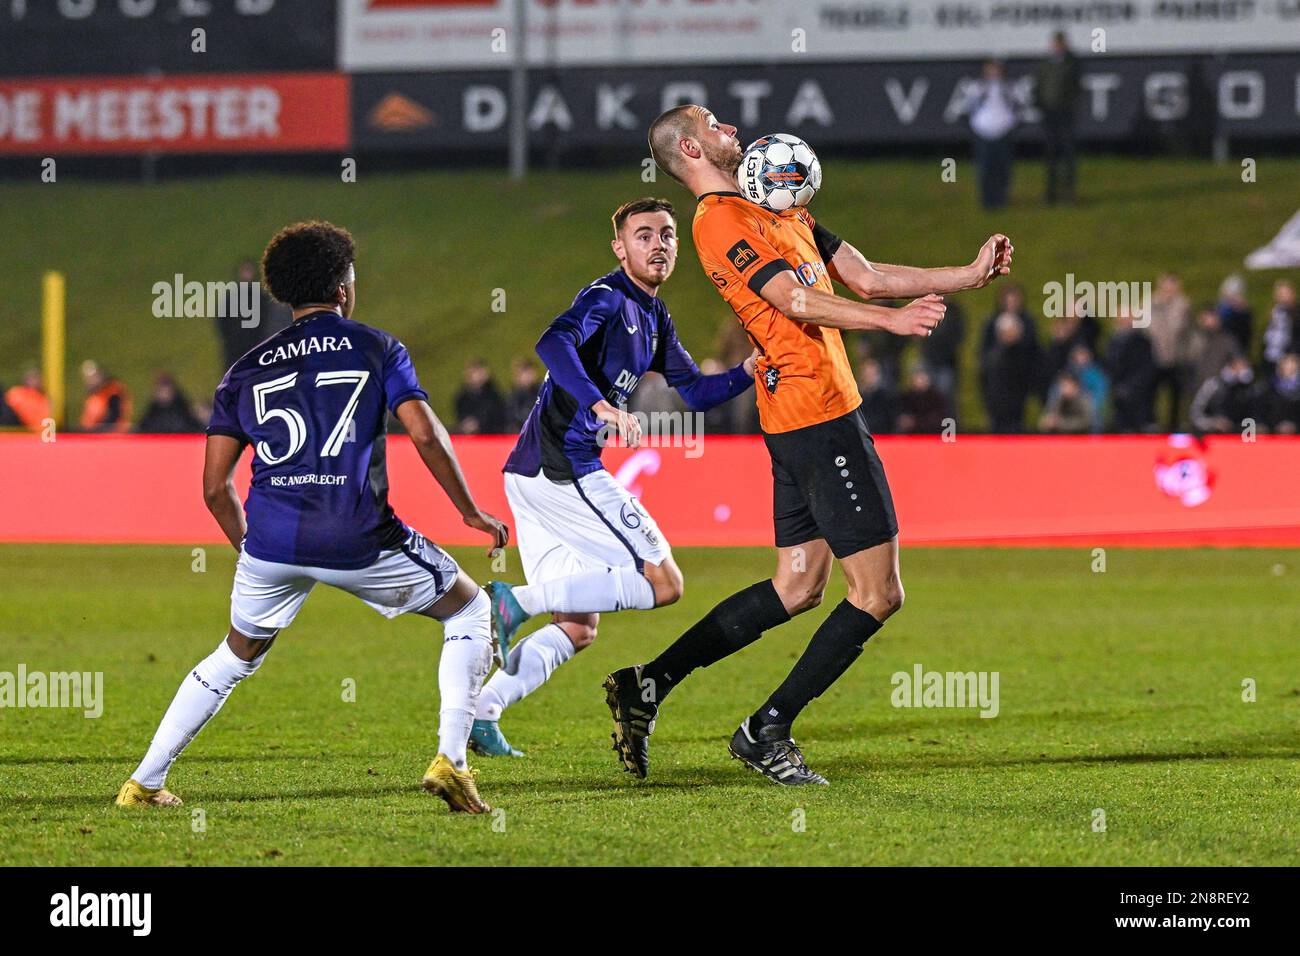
(737, 622)
(835, 646)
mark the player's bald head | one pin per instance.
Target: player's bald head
(666, 134)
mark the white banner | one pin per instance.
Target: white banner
(458, 34)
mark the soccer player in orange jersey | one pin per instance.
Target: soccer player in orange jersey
(830, 496)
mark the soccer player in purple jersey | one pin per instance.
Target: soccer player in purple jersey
(312, 400)
(586, 544)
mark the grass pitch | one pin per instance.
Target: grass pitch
(1119, 691)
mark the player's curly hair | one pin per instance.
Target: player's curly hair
(306, 262)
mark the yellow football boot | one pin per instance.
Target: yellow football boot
(134, 795)
(457, 787)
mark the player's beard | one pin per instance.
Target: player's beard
(726, 159)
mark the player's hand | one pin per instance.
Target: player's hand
(919, 317)
(627, 425)
(482, 521)
(750, 362)
(993, 260)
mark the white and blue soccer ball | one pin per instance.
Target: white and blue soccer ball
(779, 171)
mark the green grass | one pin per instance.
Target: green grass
(435, 246)
(1119, 691)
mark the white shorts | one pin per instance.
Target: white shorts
(592, 523)
(267, 595)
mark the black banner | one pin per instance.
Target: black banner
(91, 37)
(1121, 99)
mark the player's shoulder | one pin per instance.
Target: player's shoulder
(724, 210)
(606, 292)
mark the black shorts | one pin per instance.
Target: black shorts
(828, 482)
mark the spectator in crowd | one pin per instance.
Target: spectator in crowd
(1009, 360)
(108, 403)
(1234, 311)
(1228, 399)
(1007, 374)
(169, 411)
(525, 383)
(1283, 399)
(272, 317)
(1208, 350)
(28, 401)
(994, 111)
(1130, 363)
(480, 410)
(1281, 336)
(1076, 327)
(940, 349)
(1057, 94)
(1083, 366)
(922, 407)
(8, 417)
(1170, 331)
(879, 403)
(1069, 409)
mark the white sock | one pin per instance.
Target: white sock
(538, 657)
(466, 659)
(588, 592)
(200, 695)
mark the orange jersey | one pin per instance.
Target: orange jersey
(803, 376)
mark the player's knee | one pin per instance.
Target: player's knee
(879, 601)
(582, 635)
(800, 594)
(668, 583)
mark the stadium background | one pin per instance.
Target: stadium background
(463, 262)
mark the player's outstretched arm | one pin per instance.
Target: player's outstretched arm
(815, 307)
(876, 280)
(434, 445)
(221, 455)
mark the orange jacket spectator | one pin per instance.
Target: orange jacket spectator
(108, 403)
(29, 401)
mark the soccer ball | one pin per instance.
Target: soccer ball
(779, 171)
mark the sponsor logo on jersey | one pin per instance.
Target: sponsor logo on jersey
(742, 256)
(309, 346)
(626, 381)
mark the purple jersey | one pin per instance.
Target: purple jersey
(612, 335)
(312, 400)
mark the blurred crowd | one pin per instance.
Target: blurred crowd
(1175, 366)
(1171, 367)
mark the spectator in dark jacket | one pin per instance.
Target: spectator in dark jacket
(1281, 335)
(879, 403)
(1208, 350)
(1228, 400)
(236, 338)
(524, 385)
(1234, 312)
(1283, 398)
(1069, 409)
(1057, 94)
(922, 408)
(480, 409)
(1009, 361)
(169, 411)
(1130, 363)
(1076, 327)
